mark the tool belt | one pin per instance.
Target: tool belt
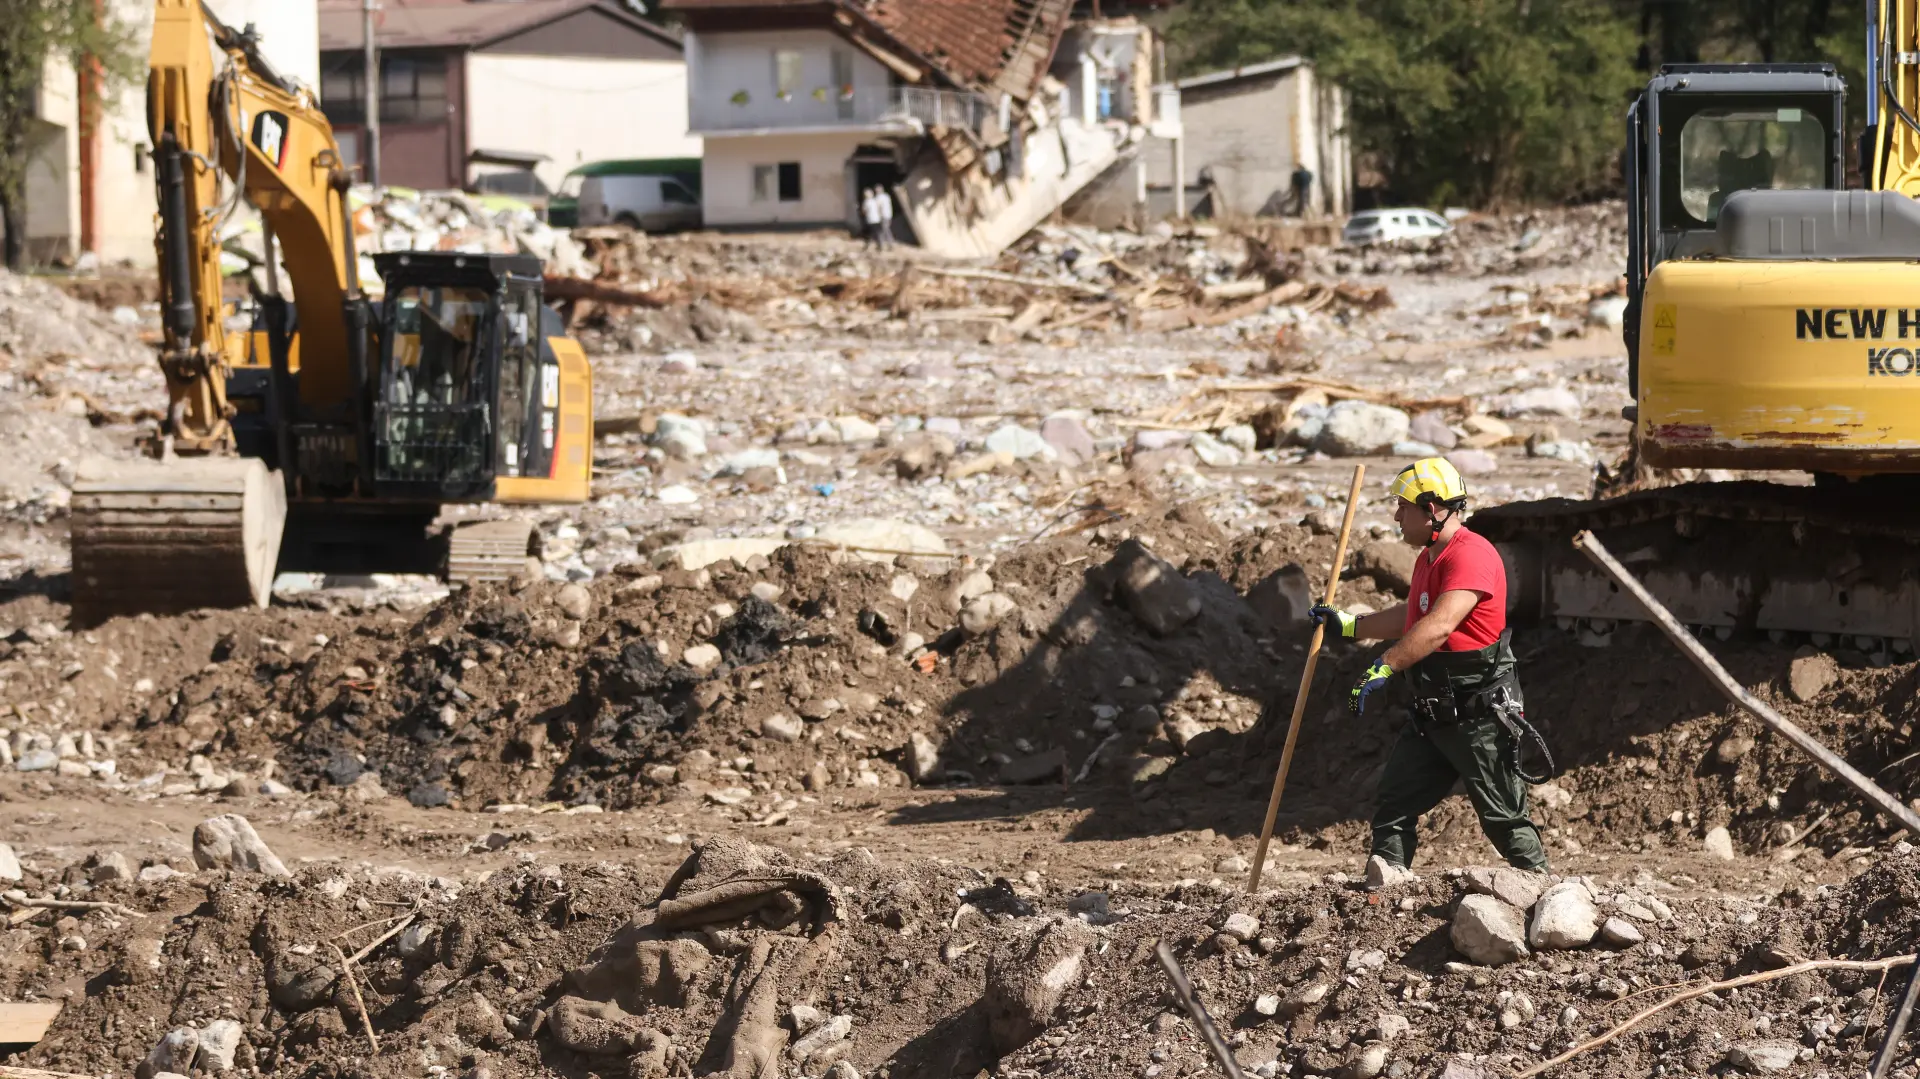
(1451, 688)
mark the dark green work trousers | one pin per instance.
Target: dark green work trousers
(1420, 772)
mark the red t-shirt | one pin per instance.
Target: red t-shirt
(1471, 564)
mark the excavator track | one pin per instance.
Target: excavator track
(163, 537)
(1832, 562)
(490, 551)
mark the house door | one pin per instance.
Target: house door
(875, 167)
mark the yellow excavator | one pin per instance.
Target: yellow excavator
(328, 435)
(1773, 325)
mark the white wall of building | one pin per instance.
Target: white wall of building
(577, 109)
(727, 189)
(741, 65)
(289, 33)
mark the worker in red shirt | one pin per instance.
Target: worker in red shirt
(1455, 649)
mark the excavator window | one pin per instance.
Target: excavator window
(1729, 148)
(435, 413)
(519, 377)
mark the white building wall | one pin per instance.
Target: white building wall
(726, 178)
(733, 81)
(289, 33)
(577, 109)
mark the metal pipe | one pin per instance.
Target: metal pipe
(370, 61)
(1184, 991)
(176, 241)
(1588, 544)
(1897, 1027)
(1873, 65)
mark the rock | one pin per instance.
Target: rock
(869, 537)
(833, 1030)
(1282, 597)
(1488, 931)
(1068, 437)
(973, 585)
(699, 554)
(1460, 1069)
(1579, 453)
(1153, 590)
(1719, 844)
(590, 1026)
(923, 758)
(1241, 927)
(414, 940)
(1620, 933)
(37, 760)
(229, 842)
(1544, 401)
(574, 601)
(299, 982)
(1485, 432)
(680, 437)
(1514, 887)
(1018, 442)
(174, 1052)
(1769, 1055)
(1369, 1062)
(701, 657)
(1473, 462)
(1232, 865)
(1267, 1004)
(219, 1041)
(157, 873)
(430, 795)
(679, 363)
(854, 431)
(1088, 903)
(841, 1070)
(782, 727)
(1028, 977)
(366, 788)
(108, 867)
(1384, 874)
(1565, 917)
(1389, 563)
(1212, 452)
(1050, 766)
(1733, 747)
(1305, 997)
(1359, 429)
(1431, 427)
(983, 613)
(1151, 441)
(1809, 676)
(9, 863)
(1390, 1026)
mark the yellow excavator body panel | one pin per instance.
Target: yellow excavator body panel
(1805, 365)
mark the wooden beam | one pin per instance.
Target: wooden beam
(26, 1022)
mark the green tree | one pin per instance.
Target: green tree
(32, 33)
(1491, 102)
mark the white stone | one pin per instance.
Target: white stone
(782, 727)
(1544, 401)
(699, 554)
(983, 613)
(855, 431)
(1241, 437)
(680, 437)
(923, 757)
(174, 1051)
(1620, 933)
(678, 494)
(1241, 927)
(701, 657)
(1267, 1004)
(229, 842)
(1488, 931)
(1018, 442)
(1384, 874)
(903, 586)
(1369, 1062)
(1212, 452)
(1763, 1055)
(1514, 887)
(1359, 428)
(1719, 844)
(9, 863)
(1390, 1026)
(219, 1041)
(878, 540)
(1565, 917)
(574, 601)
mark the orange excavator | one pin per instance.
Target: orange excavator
(328, 433)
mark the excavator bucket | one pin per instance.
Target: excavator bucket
(165, 537)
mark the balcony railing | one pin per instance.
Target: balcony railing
(904, 105)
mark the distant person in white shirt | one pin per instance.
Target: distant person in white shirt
(870, 215)
(885, 202)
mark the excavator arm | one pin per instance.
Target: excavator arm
(218, 112)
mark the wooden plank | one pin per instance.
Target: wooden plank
(26, 1022)
(36, 1073)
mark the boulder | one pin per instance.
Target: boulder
(1360, 429)
(219, 1041)
(1431, 427)
(701, 657)
(1389, 563)
(229, 842)
(1068, 437)
(1488, 931)
(1565, 917)
(1282, 597)
(698, 554)
(1027, 979)
(1719, 844)
(1241, 436)
(1514, 887)
(1212, 452)
(923, 757)
(1811, 673)
(1157, 594)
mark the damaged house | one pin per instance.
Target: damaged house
(949, 104)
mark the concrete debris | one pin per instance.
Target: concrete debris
(1565, 917)
(1488, 931)
(229, 842)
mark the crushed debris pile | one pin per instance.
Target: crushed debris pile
(1584, 237)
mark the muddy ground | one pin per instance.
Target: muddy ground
(809, 811)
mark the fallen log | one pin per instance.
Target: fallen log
(575, 288)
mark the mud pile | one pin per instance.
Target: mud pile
(748, 963)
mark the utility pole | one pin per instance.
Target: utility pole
(371, 154)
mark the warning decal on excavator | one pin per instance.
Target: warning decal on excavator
(270, 136)
(1666, 324)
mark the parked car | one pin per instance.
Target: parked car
(1402, 223)
(669, 207)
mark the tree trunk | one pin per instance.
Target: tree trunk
(13, 222)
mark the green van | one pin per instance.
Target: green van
(563, 210)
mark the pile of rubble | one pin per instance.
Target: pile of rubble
(1586, 237)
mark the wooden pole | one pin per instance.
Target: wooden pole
(1183, 990)
(1306, 682)
(1590, 545)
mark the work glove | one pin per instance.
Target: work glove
(1374, 680)
(1333, 617)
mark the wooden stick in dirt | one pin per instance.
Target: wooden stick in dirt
(1590, 545)
(1896, 1027)
(1184, 990)
(366, 1020)
(1306, 682)
(405, 921)
(1701, 989)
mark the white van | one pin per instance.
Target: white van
(648, 203)
(1402, 223)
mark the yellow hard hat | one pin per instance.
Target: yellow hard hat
(1432, 478)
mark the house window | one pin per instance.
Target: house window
(843, 83)
(786, 73)
(413, 90)
(780, 182)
